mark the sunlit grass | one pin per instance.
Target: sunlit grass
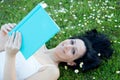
(74, 17)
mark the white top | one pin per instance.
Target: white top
(24, 68)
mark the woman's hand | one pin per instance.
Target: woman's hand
(7, 28)
(3, 34)
(13, 44)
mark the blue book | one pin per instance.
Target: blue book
(36, 29)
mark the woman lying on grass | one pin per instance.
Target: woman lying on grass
(84, 51)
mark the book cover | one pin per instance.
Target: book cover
(36, 29)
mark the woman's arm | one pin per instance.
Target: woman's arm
(11, 48)
(47, 73)
(3, 34)
(9, 69)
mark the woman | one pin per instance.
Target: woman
(81, 51)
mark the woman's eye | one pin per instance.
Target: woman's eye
(73, 51)
(72, 42)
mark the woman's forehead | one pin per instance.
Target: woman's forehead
(80, 45)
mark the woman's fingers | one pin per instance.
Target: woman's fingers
(17, 41)
(11, 25)
(7, 27)
(12, 38)
(8, 41)
(4, 28)
(14, 24)
(13, 44)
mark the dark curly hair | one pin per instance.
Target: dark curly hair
(98, 46)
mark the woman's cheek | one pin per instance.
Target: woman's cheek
(58, 51)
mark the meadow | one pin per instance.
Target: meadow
(74, 17)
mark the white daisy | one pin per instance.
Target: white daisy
(76, 71)
(81, 64)
(65, 67)
(118, 72)
(99, 54)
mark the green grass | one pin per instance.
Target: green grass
(74, 18)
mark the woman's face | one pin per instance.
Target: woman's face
(70, 50)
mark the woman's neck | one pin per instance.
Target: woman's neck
(52, 55)
(47, 55)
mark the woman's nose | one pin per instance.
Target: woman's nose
(67, 47)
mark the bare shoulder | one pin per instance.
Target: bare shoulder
(54, 70)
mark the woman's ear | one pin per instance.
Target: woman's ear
(71, 63)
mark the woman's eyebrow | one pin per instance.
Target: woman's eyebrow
(76, 46)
